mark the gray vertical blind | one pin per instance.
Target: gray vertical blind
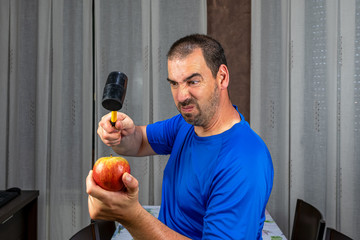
(305, 104)
(269, 98)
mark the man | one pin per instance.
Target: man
(219, 176)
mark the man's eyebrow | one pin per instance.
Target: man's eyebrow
(188, 78)
(169, 80)
(192, 75)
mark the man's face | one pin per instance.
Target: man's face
(194, 88)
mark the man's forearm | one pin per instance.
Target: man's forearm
(146, 227)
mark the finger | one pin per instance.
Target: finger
(120, 121)
(90, 182)
(92, 208)
(92, 188)
(126, 125)
(109, 127)
(105, 123)
(95, 208)
(113, 142)
(94, 203)
(106, 118)
(131, 184)
(109, 138)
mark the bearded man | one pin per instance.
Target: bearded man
(219, 175)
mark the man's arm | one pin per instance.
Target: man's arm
(147, 227)
(125, 208)
(125, 138)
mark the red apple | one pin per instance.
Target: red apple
(108, 172)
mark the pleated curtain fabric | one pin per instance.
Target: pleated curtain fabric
(305, 103)
(55, 57)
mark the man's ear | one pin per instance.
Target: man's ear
(223, 76)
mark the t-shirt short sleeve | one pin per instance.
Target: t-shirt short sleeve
(161, 135)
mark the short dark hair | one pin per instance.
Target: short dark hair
(211, 49)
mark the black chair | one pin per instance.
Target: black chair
(308, 222)
(332, 234)
(96, 230)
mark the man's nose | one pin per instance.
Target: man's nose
(183, 93)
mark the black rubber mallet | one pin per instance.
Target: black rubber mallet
(114, 93)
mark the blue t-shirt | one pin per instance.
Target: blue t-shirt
(214, 187)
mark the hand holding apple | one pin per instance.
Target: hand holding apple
(120, 206)
(108, 172)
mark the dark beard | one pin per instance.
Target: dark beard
(203, 117)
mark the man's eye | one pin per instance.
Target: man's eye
(193, 82)
(173, 84)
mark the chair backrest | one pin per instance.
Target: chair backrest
(332, 234)
(308, 222)
(97, 230)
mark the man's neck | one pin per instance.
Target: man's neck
(223, 120)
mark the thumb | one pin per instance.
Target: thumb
(131, 184)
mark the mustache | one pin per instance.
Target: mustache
(186, 102)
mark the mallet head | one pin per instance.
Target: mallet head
(114, 91)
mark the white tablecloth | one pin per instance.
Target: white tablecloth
(271, 231)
